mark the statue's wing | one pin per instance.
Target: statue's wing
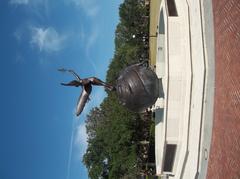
(74, 74)
(70, 71)
(83, 99)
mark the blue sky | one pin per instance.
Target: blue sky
(37, 114)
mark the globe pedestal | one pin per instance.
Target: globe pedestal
(137, 87)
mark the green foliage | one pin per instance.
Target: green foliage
(113, 131)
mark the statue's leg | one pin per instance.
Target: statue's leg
(72, 83)
(96, 81)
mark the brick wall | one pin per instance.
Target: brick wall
(225, 148)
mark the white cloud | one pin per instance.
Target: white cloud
(92, 38)
(39, 8)
(47, 39)
(81, 140)
(92, 11)
(89, 6)
(19, 2)
(18, 34)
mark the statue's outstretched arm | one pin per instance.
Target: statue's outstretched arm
(72, 83)
(70, 71)
(96, 81)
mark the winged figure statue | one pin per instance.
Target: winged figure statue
(86, 84)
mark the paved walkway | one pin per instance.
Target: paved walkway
(225, 148)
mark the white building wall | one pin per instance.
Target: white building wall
(188, 79)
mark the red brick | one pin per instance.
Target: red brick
(224, 160)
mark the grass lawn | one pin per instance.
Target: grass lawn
(154, 16)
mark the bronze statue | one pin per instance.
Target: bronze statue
(137, 87)
(86, 84)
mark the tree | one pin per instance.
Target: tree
(113, 131)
